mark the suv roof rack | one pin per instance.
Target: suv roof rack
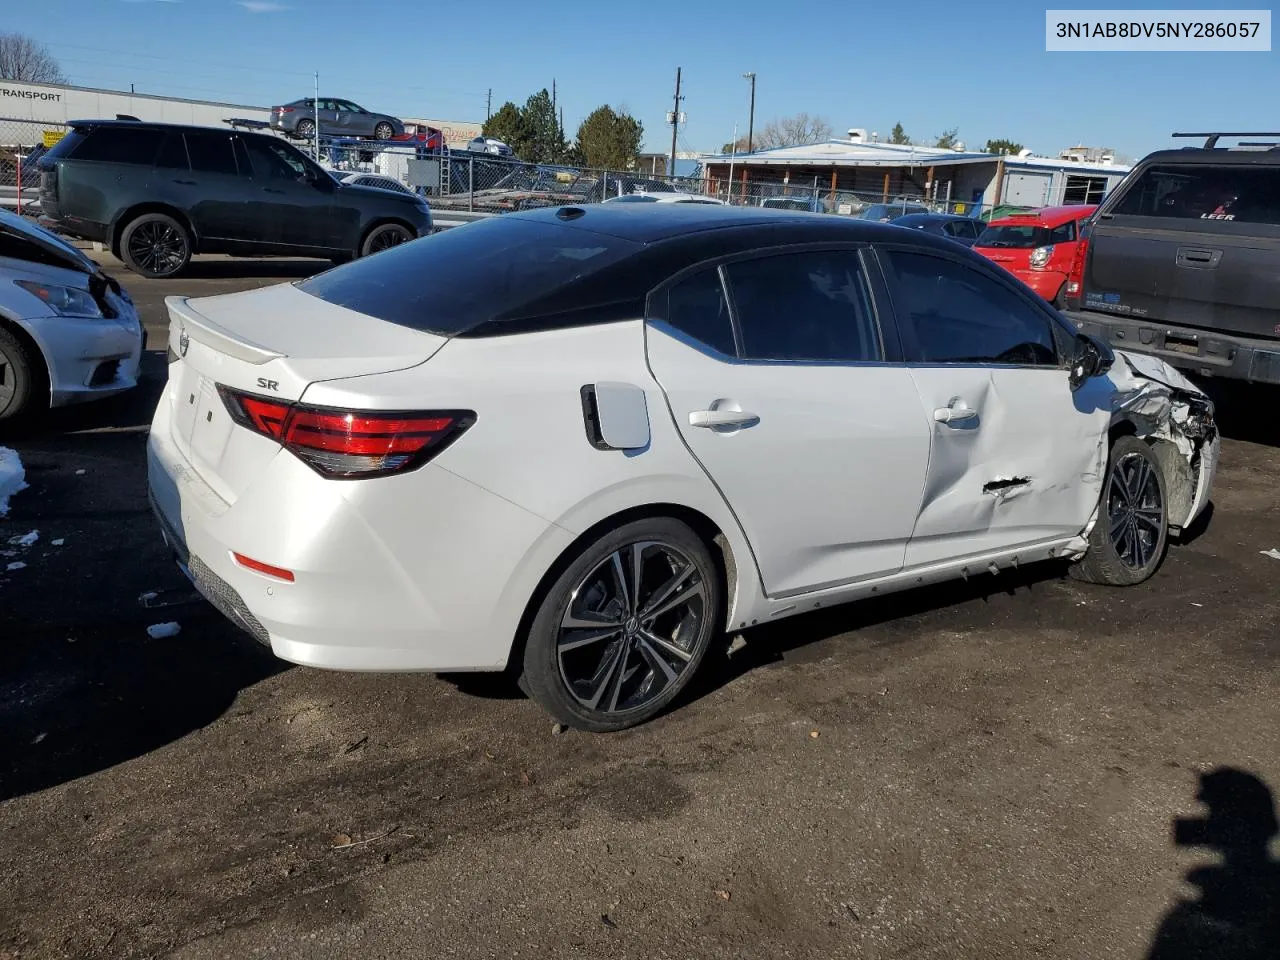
(1211, 139)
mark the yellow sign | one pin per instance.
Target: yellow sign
(51, 138)
(959, 208)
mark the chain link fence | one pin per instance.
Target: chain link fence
(22, 144)
(467, 181)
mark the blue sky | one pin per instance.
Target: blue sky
(926, 64)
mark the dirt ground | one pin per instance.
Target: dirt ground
(990, 769)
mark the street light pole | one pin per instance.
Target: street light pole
(751, 118)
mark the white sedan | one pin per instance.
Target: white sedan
(68, 332)
(583, 443)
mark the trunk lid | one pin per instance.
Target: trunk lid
(273, 342)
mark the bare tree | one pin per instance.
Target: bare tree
(22, 58)
(794, 131)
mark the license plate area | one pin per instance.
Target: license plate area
(1182, 343)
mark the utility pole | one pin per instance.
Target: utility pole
(751, 119)
(488, 105)
(675, 122)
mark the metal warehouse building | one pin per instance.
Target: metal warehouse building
(840, 169)
(28, 109)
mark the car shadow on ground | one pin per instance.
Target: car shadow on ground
(1236, 915)
(248, 268)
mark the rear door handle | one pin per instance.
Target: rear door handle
(955, 412)
(722, 418)
(186, 183)
(1198, 258)
(271, 190)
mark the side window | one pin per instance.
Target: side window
(120, 145)
(1063, 234)
(273, 161)
(211, 153)
(697, 308)
(958, 315)
(1244, 194)
(972, 229)
(805, 306)
(173, 153)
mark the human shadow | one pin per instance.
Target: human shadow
(1237, 913)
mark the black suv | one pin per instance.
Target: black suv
(1183, 260)
(157, 193)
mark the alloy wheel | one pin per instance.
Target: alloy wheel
(1135, 510)
(8, 386)
(158, 247)
(387, 238)
(631, 627)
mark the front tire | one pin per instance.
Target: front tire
(156, 246)
(625, 627)
(384, 237)
(20, 375)
(1130, 536)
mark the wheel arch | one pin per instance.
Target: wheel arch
(1179, 477)
(129, 214)
(35, 349)
(382, 220)
(727, 563)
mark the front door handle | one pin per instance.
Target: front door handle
(722, 418)
(271, 190)
(956, 412)
(186, 183)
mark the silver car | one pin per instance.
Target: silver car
(68, 332)
(337, 118)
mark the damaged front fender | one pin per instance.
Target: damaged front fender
(1159, 404)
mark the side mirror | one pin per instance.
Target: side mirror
(1092, 358)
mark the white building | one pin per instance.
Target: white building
(28, 109)
(868, 170)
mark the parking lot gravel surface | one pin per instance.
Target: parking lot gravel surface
(990, 769)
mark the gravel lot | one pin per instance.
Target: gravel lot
(986, 770)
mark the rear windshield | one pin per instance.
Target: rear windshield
(64, 147)
(499, 269)
(1245, 194)
(1016, 236)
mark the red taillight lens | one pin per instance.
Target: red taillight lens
(1075, 277)
(349, 444)
(282, 109)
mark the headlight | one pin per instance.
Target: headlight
(1040, 255)
(64, 301)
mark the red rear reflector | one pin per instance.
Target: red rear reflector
(278, 572)
(349, 444)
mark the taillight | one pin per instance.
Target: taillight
(1075, 277)
(282, 109)
(349, 444)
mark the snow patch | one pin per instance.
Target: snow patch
(162, 631)
(17, 565)
(13, 478)
(26, 540)
(58, 543)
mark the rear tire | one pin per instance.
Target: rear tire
(384, 131)
(1129, 538)
(20, 379)
(384, 237)
(156, 246)
(305, 130)
(657, 618)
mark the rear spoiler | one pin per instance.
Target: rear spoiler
(200, 328)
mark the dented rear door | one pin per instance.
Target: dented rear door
(1016, 457)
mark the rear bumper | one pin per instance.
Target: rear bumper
(1046, 283)
(75, 227)
(421, 572)
(1205, 352)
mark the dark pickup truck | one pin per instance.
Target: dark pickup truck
(1183, 261)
